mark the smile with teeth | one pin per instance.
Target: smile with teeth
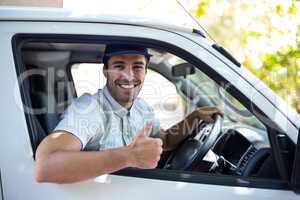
(126, 86)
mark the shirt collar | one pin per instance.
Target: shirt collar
(116, 107)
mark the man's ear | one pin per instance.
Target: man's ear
(146, 67)
(105, 71)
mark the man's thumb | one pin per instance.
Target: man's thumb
(143, 132)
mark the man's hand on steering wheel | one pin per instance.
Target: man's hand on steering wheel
(206, 122)
(177, 133)
(206, 113)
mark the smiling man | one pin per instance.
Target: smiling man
(125, 72)
(112, 129)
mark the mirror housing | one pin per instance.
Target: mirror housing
(183, 69)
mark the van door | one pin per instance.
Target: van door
(18, 164)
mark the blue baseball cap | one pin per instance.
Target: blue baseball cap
(123, 49)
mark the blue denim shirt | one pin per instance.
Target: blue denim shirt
(100, 122)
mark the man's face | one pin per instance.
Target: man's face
(125, 76)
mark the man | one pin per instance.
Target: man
(112, 129)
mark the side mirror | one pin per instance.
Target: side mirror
(183, 69)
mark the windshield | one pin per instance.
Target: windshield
(209, 93)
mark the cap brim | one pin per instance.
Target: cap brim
(129, 52)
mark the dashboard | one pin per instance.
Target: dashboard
(244, 152)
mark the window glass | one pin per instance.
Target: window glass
(161, 94)
(218, 96)
(87, 77)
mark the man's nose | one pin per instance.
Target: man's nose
(128, 73)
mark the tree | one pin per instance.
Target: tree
(263, 35)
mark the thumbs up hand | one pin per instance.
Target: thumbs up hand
(145, 151)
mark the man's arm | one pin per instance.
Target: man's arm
(174, 135)
(59, 159)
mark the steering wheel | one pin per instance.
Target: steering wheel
(195, 146)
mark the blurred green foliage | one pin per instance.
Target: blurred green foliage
(263, 35)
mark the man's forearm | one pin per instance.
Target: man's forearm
(68, 167)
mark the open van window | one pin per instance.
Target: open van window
(59, 76)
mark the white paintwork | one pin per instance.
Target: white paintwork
(16, 154)
(60, 14)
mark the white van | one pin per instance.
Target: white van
(49, 57)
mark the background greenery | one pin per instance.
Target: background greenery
(263, 35)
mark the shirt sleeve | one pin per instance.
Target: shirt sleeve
(81, 119)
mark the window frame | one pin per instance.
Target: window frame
(171, 175)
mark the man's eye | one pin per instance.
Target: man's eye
(118, 66)
(138, 67)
